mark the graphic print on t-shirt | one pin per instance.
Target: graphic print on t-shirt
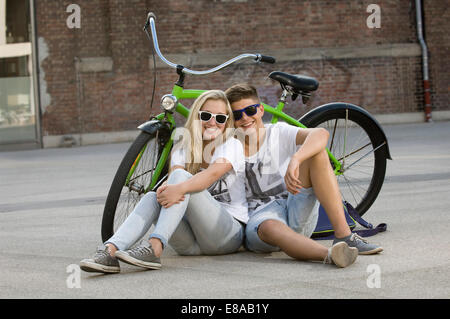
(262, 188)
(219, 190)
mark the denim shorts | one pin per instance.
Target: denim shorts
(300, 212)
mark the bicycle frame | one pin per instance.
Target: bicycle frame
(182, 94)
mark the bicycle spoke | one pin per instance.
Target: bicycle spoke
(345, 137)
(371, 151)
(363, 171)
(356, 182)
(348, 155)
(352, 188)
(144, 173)
(334, 133)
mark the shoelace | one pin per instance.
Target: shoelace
(102, 252)
(141, 250)
(356, 237)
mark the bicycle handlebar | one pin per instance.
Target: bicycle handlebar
(267, 59)
(256, 57)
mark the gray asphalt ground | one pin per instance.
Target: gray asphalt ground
(51, 203)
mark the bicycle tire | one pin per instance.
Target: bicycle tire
(374, 175)
(114, 214)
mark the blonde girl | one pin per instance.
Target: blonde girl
(200, 210)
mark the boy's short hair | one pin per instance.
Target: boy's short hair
(241, 91)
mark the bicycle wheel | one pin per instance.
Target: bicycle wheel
(356, 142)
(126, 192)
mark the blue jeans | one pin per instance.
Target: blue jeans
(300, 212)
(197, 226)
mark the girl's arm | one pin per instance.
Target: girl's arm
(171, 194)
(206, 178)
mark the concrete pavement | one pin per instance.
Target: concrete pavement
(51, 202)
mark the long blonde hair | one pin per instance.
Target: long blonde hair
(193, 147)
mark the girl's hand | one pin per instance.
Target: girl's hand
(160, 188)
(168, 195)
(293, 184)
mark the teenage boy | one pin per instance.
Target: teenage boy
(287, 170)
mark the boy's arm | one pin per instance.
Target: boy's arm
(313, 140)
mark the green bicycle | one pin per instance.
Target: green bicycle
(358, 148)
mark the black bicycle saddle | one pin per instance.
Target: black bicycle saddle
(300, 83)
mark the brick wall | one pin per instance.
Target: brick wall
(116, 97)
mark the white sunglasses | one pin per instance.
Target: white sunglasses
(219, 118)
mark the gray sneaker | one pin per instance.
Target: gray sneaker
(364, 248)
(141, 256)
(341, 255)
(101, 262)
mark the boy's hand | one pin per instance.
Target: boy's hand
(293, 184)
(168, 195)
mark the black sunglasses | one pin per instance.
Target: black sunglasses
(219, 118)
(249, 110)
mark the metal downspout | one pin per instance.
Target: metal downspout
(426, 83)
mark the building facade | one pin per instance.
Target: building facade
(81, 71)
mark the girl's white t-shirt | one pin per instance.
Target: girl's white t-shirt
(229, 190)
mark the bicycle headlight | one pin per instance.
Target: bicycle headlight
(168, 102)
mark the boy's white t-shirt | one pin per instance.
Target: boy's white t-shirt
(229, 190)
(266, 169)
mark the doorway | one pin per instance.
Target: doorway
(19, 115)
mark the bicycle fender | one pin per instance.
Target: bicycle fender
(340, 105)
(152, 126)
